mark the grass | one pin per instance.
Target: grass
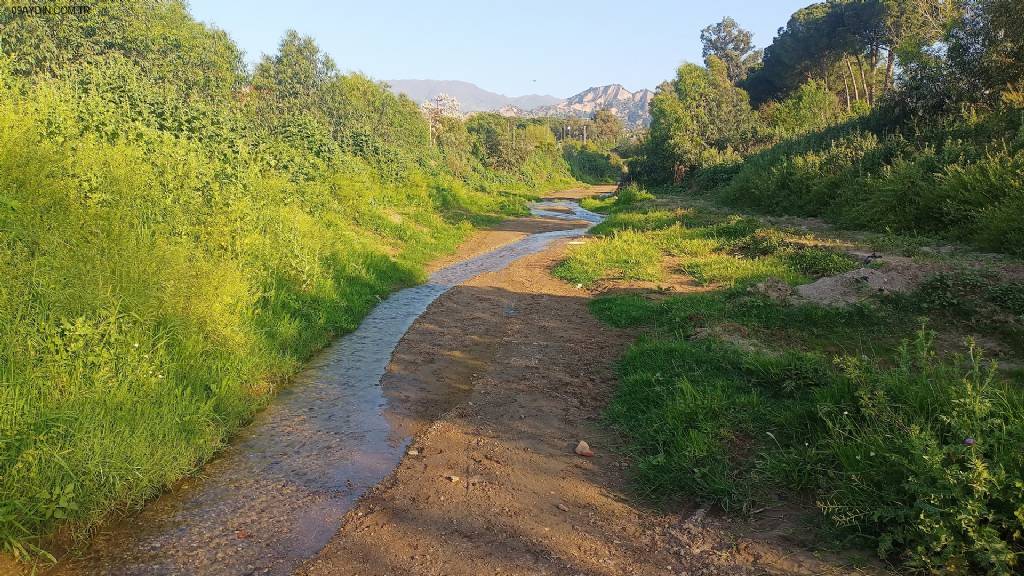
(160, 287)
(736, 399)
(721, 250)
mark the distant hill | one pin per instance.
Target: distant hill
(471, 97)
(632, 107)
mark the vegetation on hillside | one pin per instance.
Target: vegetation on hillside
(178, 234)
(901, 115)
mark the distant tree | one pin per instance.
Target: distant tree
(732, 45)
(437, 109)
(498, 141)
(607, 129)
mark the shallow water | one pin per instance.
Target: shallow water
(278, 494)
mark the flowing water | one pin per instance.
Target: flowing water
(278, 494)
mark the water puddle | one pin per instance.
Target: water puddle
(278, 494)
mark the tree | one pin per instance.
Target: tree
(698, 120)
(159, 36)
(293, 78)
(809, 46)
(987, 46)
(607, 128)
(733, 45)
(437, 109)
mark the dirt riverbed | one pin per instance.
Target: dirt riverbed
(497, 381)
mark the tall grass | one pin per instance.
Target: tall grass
(166, 268)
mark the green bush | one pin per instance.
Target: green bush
(590, 164)
(961, 181)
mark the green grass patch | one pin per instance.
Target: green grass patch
(626, 255)
(731, 271)
(623, 198)
(735, 399)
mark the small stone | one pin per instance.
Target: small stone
(563, 507)
(413, 452)
(453, 478)
(583, 449)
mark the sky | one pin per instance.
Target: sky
(556, 47)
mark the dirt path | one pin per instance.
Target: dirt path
(499, 379)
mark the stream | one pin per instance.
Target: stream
(279, 492)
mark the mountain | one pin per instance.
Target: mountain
(471, 97)
(632, 107)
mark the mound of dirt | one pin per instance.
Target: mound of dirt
(774, 289)
(895, 275)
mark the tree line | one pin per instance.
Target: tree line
(870, 96)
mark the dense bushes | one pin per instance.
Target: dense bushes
(902, 116)
(175, 241)
(588, 163)
(962, 179)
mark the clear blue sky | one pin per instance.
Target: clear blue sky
(556, 47)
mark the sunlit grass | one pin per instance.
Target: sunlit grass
(734, 398)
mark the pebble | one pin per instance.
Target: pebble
(583, 449)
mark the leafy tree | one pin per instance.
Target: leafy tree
(159, 36)
(809, 46)
(698, 120)
(987, 47)
(606, 128)
(498, 142)
(294, 78)
(733, 45)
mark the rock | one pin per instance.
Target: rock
(583, 449)
(563, 507)
(774, 289)
(413, 452)
(453, 478)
